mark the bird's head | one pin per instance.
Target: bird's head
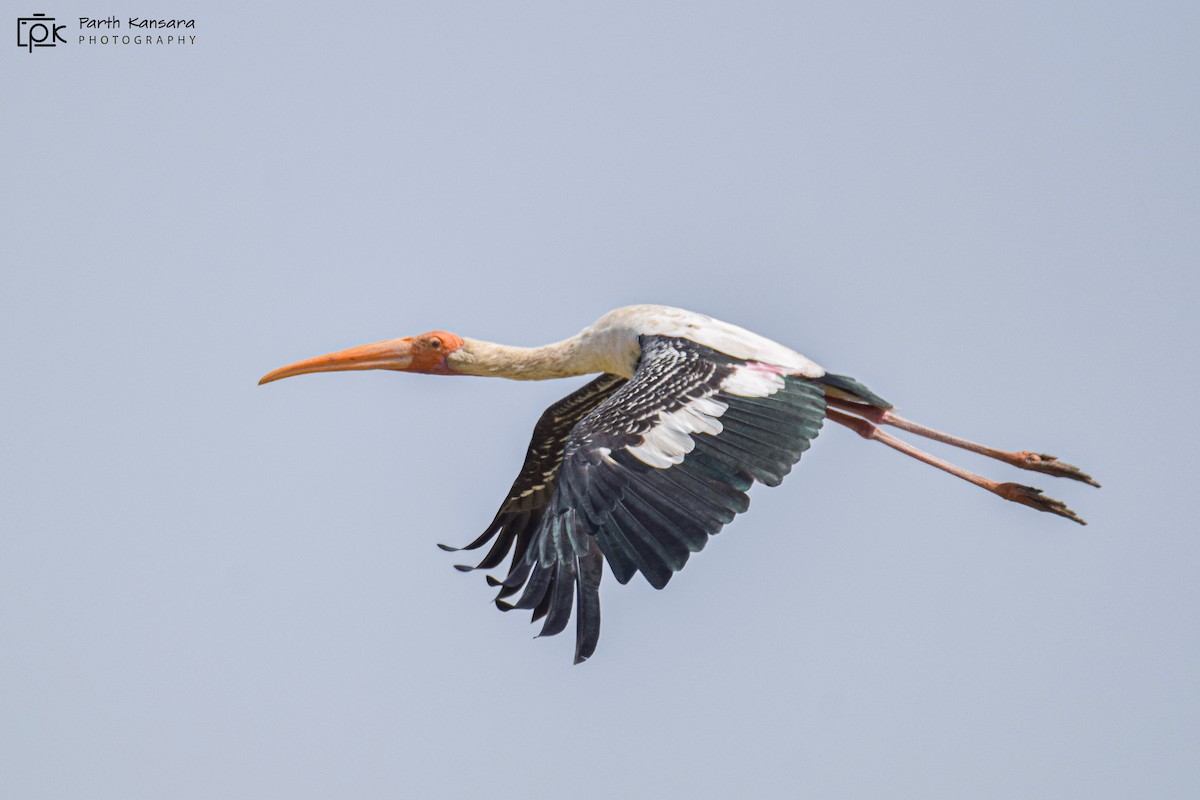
(428, 353)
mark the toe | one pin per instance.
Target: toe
(1032, 497)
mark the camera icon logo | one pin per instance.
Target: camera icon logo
(38, 30)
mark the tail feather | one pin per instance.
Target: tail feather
(844, 387)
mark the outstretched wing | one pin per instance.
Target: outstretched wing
(658, 465)
(519, 520)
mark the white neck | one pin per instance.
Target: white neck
(559, 360)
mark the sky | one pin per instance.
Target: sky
(210, 589)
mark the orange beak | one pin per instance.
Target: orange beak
(396, 354)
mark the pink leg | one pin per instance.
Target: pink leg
(1017, 493)
(1025, 459)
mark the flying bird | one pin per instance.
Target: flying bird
(639, 467)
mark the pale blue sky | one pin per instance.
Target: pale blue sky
(210, 589)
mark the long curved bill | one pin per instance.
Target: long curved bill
(393, 354)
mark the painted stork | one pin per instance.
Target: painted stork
(641, 465)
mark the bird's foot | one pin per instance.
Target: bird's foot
(1049, 465)
(1029, 496)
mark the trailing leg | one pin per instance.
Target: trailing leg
(1015, 492)
(1024, 459)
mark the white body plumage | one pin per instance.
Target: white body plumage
(614, 339)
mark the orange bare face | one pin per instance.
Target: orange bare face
(425, 353)
(429, 351)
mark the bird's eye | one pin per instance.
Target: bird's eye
(434, 342)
